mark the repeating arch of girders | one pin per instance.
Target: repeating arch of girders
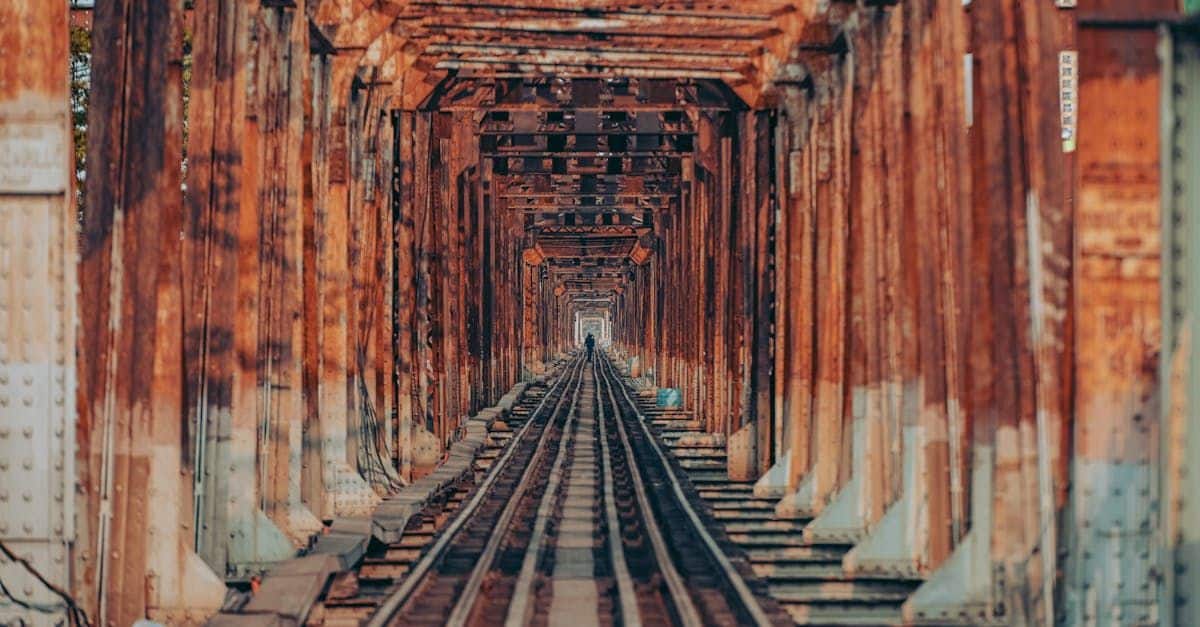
(410, 45)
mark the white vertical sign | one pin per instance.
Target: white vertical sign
(969, 88)
(1068, 97)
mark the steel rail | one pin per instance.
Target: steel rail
(519, 607)
(630, 614)
(469, 595)
(685, 607)
(747, 598)
(398, 599)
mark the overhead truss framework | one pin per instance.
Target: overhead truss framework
(594, 171)
(414, 44)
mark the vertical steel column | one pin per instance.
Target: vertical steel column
(38, 283)
(1118, 331)
(405, 314)
(136, 555)
(1178, 375)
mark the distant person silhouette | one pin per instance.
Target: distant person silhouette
(590, 343)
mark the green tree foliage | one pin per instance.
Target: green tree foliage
(81, 82)
(187, 93)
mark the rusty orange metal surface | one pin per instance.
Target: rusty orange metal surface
(905, 257)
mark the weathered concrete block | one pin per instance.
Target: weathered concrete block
(347, 539)
(268, 619)
(390, 520)
(291, 588)
(741, 455)
(427, 452)
(773, 483)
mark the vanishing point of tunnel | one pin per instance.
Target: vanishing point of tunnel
(597, 312)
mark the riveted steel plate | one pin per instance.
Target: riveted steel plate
(33, 156)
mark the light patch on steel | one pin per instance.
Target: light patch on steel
(1047, 539)
(32, 156)
(969, 88)
(600, 24)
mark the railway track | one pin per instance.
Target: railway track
(724, 592)
(357, 595)
(575, 516)
(804, 575)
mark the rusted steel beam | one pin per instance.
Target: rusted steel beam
(781, 199)
(371, 402)
(405, 298)
(743, 444)
(530, 23)
(585, 182)
(997, 334)
(937, 344)
(762, 267)
(669, 42)
(355, 360)
(566, 200)
(801, 307)
(279, 119)
(315, 90)
(555, 227)
(1180, 48)
(363, 28)
(902, 361)
(915, 326)
(867, 482)
(384, 330)
(589, 53)
(1016, 229)
(464, 148)
(246, 351)
(448, 312)
(422, 133)
(433, 251)
(331, 12)
(898, 319)
(750, 11)
(536, 65)
(1115, 282)
(346, 491)
(370, 21)
(819, 452)
(717, 184)
(136, 555)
